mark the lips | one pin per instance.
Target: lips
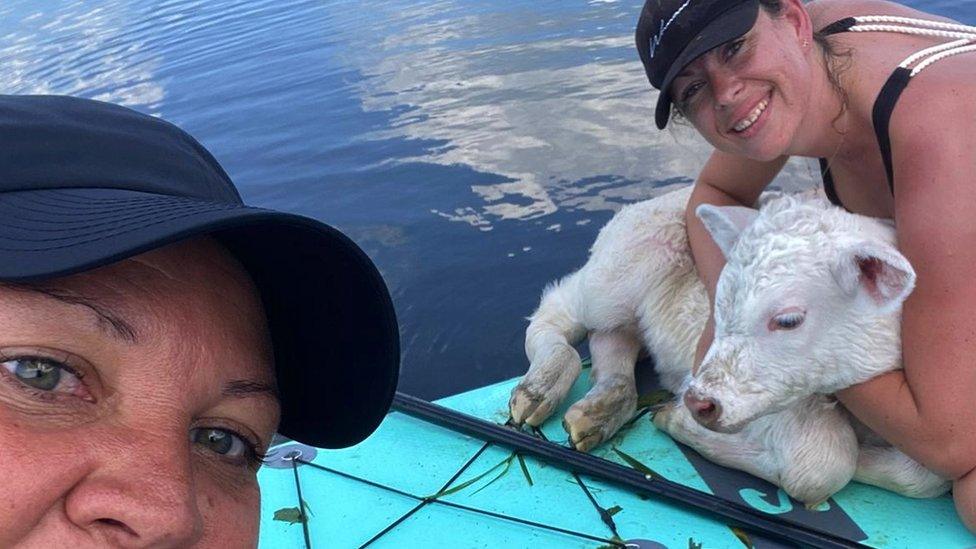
(746, 120)
(743, 125)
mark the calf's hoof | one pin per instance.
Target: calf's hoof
(600, 414)
(529, 406)
(544, 386)
(663, 416)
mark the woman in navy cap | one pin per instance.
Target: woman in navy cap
(155, 333)
(885, 96)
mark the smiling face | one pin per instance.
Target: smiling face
(132, 400)
(748, 97)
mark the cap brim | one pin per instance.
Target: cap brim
(330, 315)
(728, 26)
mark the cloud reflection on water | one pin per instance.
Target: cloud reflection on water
(78, 49)
(566, 121)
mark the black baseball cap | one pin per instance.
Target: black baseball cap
(85, 183)
(672, 33)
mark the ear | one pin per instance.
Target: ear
(725, 223)
(796, 15)
(876, 276)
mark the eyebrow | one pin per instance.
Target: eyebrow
(243, 388)
(108, 320)
(685, 72)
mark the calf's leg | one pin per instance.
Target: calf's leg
(554, 363)
(612, 400)
(810, 453)
(737, 450)
(887, 467)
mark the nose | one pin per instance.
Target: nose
(141, 494)
(706, 411)
(726, 86)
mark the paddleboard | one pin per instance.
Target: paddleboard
(373, 494)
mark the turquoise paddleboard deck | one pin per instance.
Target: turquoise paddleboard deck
(402, 488)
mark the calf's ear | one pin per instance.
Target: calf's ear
(725, 223)
(876, 276)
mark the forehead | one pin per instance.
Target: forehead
(191, 295)
(698, 65)
(779, 268)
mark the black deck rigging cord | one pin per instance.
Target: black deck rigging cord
(435, 500)
(425, 501)
(575, 461)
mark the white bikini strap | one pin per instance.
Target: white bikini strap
(963, 36)
(911, 59)
(913, 30)
(942, 55)
(911, 21)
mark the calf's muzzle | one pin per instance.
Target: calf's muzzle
(706, 411)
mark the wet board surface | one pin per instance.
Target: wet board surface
(418, 458)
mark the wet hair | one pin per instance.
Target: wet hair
(836, 60)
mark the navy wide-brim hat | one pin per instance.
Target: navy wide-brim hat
(673, 33)
(84, 184)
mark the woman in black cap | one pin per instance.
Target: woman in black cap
(885, 96)
(155, 333)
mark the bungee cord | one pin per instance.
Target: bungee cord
(420, 505)
(436, 500)
(572, 460)
(301, 504)
(604, 513)
(577, 463)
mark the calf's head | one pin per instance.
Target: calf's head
(806, 287)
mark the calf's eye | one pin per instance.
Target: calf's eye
(786, 321)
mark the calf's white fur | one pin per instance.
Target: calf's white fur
(809, 302)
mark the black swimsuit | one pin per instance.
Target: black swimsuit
(884, 105)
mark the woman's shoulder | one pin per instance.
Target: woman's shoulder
(871, 57)
(825, 12)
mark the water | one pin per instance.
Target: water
(472, 147)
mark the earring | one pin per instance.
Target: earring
(806, 42)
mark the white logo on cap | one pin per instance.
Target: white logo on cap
(656, 39)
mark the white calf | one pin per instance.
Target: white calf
(808, 303)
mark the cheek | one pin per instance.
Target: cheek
(792, 77)
(703, 120)
(231, 516)
(39, 468)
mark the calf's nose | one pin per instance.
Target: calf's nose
(705, 410)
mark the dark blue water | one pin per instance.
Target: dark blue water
(472, 147)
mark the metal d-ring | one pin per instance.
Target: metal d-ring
(285, 455)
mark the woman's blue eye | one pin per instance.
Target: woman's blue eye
(39, 373)
(220, 441)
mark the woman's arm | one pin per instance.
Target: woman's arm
(927, 409)
(725, 180)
